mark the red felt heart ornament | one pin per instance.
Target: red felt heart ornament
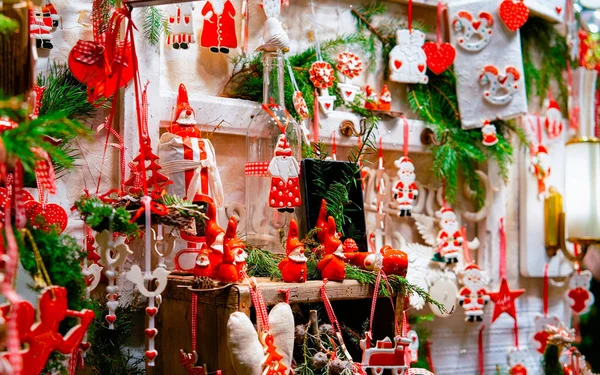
(85, 346)
(439, 56)
(4, 200)
(514, 14)
(43, 217)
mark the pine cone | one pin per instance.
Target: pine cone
(326, 329)
(337, 366)
(320, 360)
(203, 283)
(299, 334)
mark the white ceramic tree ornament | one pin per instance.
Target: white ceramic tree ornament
(322, 77)
(350, 66)
(578, 296)
(500, 86)
(473, 32)
(473, 296)
(408, 63)
(113, 254)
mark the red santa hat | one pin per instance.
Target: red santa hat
(331, 241)
(231, 239)
(552, 104)
(369, 91)
(385, 91)
(283, 148)
(472, 266)
(293, 242)
(542, 149)
(322, 220)
(183, 103)
(404, 162)
(213, 230)
(448, 213)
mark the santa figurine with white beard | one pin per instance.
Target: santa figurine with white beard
(284, 194)
(293, 267)
(405, 189)
(540, 167)
(488, 131)
(385, 99)
(449, 238)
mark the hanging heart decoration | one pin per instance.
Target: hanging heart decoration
(45, 216)
(514, 14)
(4, 198)
(439, 56)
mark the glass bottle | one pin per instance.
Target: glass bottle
(264, 222)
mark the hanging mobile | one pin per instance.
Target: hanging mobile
(439, 55)
(350, 66)
(408, 62)
(405, 188)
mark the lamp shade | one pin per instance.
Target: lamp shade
(582, 189)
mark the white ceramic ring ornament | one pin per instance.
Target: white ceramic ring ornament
(444, 291)
(501, 88)
(476, 32)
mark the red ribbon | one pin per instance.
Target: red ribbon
(429, 356)
(155, 208)
(333, 146)
(546, 280)
(405, 131)
(438, 25)
(480, 351)
(194, 320)
(316, 124)
(502, 250)
(465, 245)
(88, 52)
(329, 309)
(410, 15)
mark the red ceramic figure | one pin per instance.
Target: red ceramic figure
(237, 246)
(332, 265)
(322, 222)
(293, 268)
(226, 272)
(203, 268)
(395, 262)
(218, 32)
(214, 237)
(42, 337)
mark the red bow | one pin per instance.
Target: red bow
(89, 52)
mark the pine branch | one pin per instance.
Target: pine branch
(155, 24)
(8, 25)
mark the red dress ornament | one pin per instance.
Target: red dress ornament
(43, 337)
(285, 181)
(293, 267)
(332, 266)
(218, 32)
(237, 246)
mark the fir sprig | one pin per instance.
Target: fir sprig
(545, 56)
(155, 24)
(103, 216)
(8, 25)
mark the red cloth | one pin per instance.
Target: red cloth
(219, 29)
(284, 195)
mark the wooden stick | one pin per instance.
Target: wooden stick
(314, 326)
(372, 28)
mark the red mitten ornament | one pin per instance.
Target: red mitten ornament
(293, 267)
(514, 14)
(43, 216)
(578, 296)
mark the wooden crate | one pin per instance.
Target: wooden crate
(214, 307)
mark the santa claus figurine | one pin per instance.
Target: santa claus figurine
(554, 119)
(449, 238)
(218, 30)
(285, 184)
(40, 27)
(293, 267)
(540, 167)
(405, 189)
(181, 26)
(372, 101)
(385, 99)
(488, 131)
(237, 246)
(203, 268)
(473, 296)
(332, 265)
(226, 272)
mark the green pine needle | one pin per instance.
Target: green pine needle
(155, 24)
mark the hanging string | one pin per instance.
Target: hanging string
(291, 73)
(429, 356)
(438, 25)
(317, 42)
(334, 146)
(405, 134)
(502, 250)
(546, 281)
(316, 125)
(333, 320)
(480, 351)
(516, 331)
(410, 16)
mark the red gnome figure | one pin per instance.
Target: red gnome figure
(203, 268)
(364, 260)
(214, 237)
(395, 262)
(322, 222)
(237, 246)
(385, 99)
(226, 272)
(43, 337)
(372, 101)
(293, 268)
(332, 265)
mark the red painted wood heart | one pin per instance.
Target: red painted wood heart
(558, 10)
(151, 311)
(43, 217)
(348, 93)
(514, 14)
(151, 332)
(476, 24)
(439, 56)
(397, 64)
(151, 354)
(327, 105)
(85, 346)
(421, 68)
(111, 318)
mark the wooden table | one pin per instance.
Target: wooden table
(215, 306)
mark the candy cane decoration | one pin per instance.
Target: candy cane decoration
(113, 254)
(143, 279)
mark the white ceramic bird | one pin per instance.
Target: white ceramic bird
(274, 37)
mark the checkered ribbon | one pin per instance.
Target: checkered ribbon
(44, 171)
(258, 169)
(88, 52)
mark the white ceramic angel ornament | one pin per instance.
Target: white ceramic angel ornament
(408, 63)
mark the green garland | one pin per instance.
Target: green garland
(462, 152)
(545, 57)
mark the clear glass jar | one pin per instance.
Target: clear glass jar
(264, 222)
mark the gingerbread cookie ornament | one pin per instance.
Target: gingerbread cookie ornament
(476, 32)
(501, 87)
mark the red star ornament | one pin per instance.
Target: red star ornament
(504, 300)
